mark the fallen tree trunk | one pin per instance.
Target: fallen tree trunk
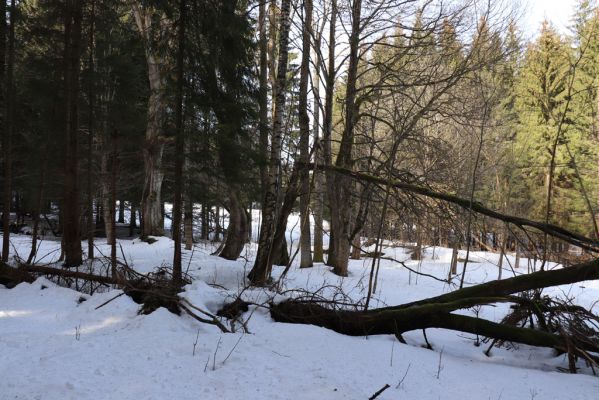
(358, 323)
(67, 273)
(435, 312)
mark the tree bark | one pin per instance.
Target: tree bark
(179, 149)
(133, 219)
(260, 273)
(152, 223)
(454, 258)
(280, 254)
(205, 221)
(121, 218)
(237, 231)
(319, 184)
(72, 55)
(112, 205)
(188, 222)
(37, 212)
(263, 97)
(341, 185)
(106, 172)
(3, 115)
(304, 142)
(217, 227)
(90, 139)
(328, 121)
(356, 250)
(8, 132)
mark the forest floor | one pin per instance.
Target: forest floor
(53, 346)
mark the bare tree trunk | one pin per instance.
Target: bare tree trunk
(100, 229)
(38, 207)
(472, 189)
(132, 219)
(154, 144)
(260, 273)
(304, 143)
(90, 140)
(319, 184)
(188, 222)
(9, 131)
(237, 231)
(263, 97)
(341, 185)
(72, 240)
(454, 258)
(179, 149)
(205, 221)
(121, 218)
(249, 218)
(217, 227)
(501, 256)
(108, 215)
(112, 205)
(4, 122)
(328, 119)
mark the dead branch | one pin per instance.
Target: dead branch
(550, 229)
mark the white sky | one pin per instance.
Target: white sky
(558, 12)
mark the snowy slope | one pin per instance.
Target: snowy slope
(55, 346)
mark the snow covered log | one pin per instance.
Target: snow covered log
(10, 275)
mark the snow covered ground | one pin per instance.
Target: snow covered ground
(55, 346)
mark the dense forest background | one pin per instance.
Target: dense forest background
(112, 111)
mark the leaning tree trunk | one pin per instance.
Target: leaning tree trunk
(260, 273)
(72, 55)
(154, 143)
(280, 254)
